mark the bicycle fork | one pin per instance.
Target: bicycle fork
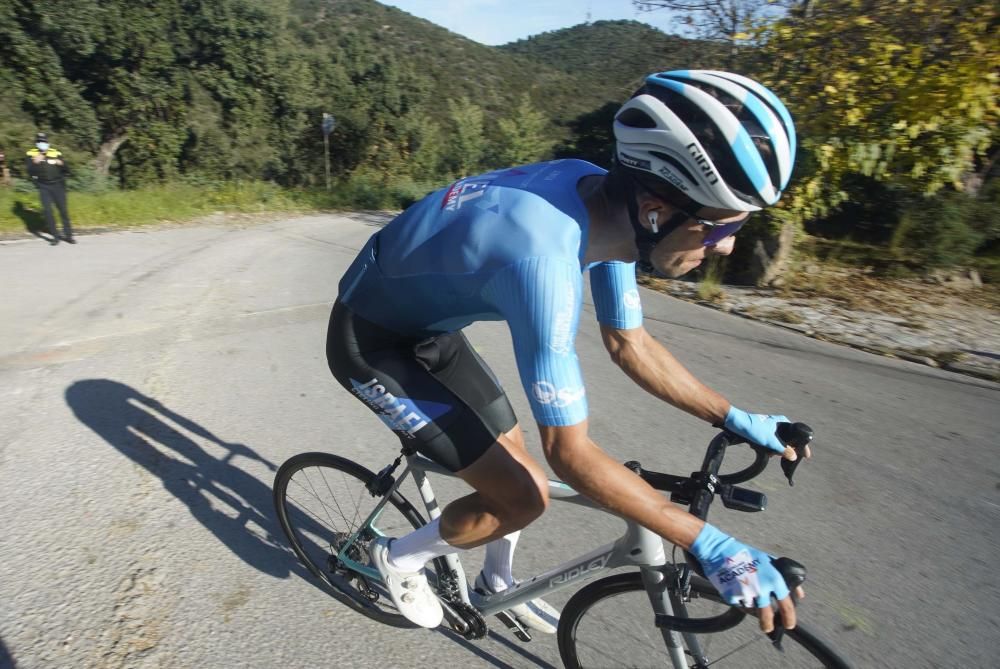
(666, 590)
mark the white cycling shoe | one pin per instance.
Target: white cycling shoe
(409, 590)
(535, 614)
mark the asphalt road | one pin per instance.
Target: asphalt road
(151, 382)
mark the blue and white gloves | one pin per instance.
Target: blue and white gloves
(758, 428)
(743, 575)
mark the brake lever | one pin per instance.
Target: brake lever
(794, 574)
(798, 436)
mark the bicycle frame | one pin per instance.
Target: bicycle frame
(637, 547)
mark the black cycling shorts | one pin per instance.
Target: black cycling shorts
(436, 394)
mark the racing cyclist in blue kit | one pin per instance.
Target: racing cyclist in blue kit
(696, 152)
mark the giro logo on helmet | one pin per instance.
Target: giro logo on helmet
(699, 158)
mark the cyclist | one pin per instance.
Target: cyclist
(696, 152)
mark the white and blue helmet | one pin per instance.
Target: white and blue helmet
(721, 139)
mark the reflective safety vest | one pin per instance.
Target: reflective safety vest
(48, 171)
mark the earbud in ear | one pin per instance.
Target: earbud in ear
(652, 221)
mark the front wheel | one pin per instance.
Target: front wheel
(610, 623)
(321, 500)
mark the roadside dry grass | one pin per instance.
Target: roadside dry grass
(710, 287)
(858, 289)
(955, 325)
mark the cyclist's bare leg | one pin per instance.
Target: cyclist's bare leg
(511, 492)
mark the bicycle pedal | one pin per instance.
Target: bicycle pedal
(511, 623)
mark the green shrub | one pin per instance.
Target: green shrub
(94, 205)
(869, 214)
(984, 213)
(937, 232)
(988, 267)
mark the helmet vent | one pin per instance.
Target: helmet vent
(709, 134)
(636, 118)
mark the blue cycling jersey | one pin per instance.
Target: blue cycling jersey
(507, 245)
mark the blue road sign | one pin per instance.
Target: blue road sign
(328, 123)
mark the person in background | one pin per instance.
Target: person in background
(47, 170)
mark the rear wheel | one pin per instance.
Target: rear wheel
(321, 500)
(610, 623)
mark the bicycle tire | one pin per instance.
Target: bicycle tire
(305, 535)
(617, 637)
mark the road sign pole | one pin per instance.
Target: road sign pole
(326, 156)
(329, 122)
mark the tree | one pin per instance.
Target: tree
(904, 92)
(467, 145)
(30, 33)
(425, 148)
(526, 137)
(593, 136)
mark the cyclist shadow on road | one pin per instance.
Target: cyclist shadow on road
(234, 505)
(230, 503)
(6, 659)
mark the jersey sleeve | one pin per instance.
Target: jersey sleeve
(540, 300)
(616, 294)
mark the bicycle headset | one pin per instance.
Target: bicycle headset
(700, 138)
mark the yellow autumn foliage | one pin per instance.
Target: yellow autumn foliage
(904, 92)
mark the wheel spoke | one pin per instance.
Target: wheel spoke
(322, 501)
(306, 509)
(333, 497)
(312, 494)
(353, 522)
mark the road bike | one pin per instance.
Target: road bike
(660, 612)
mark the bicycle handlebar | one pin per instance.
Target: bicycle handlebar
(699, 489)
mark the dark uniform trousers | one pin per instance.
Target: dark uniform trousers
(55, 193)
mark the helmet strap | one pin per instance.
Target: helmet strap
(645, 239)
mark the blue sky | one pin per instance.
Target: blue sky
(500, 21)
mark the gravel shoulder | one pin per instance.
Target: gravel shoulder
(950, 324)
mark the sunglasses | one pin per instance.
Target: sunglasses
(716, 232)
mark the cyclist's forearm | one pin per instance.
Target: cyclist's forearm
(659, 373)
(593, 473)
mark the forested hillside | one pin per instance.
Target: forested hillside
(610, 57)
(223, 89)
(895, 103)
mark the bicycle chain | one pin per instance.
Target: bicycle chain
(448, 589)
(473, 619)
